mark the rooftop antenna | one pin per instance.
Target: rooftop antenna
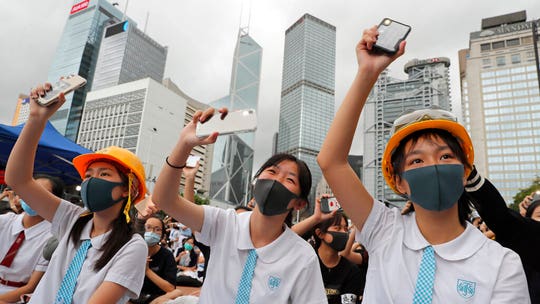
(146, 22)
(244, 29)
(125, 10)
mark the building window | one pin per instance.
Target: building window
(512, 42)
(486, 61)
(497, 45)
(500, 61)
(516, 58)
(485, 47)
(527, 40)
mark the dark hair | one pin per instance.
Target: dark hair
(121, 232)
(532, 206)
(163, 227)
(398, 159)
(245, 208)
(56, 183)
(304, 174)
(324, 225)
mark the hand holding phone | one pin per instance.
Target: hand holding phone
(235, 122)
(329, 204)
(65, 85)
(192, 161)
(391, 33)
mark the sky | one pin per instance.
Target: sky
(201, 36)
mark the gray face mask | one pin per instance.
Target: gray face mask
(436, 187)
(272, 197)
(96, 194)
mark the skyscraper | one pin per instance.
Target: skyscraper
(307, 90)
(501, 100)
(77, 53)
(428, 84)
(233, 155)
(127, 54)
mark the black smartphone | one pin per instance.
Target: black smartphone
(329, 204)
(391, 33)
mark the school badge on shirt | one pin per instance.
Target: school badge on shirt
(465, 289)
(273, 282)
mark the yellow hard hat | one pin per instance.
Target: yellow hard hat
(124, 158)
(431, 118)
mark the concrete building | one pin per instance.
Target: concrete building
(142, 116)
(501, 101)
(127, 54)
(428, 85)
(307, 91)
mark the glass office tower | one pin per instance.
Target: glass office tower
(428, 84)
(233, 155)
(501, 101)
(77, 53)
(307, 90)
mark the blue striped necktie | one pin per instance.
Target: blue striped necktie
(244, 287)
(423, 293)
(67, 287)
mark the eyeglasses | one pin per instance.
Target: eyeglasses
(412, 116)
(154, 229)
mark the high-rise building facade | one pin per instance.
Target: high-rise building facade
(501, 101)
(142, 116)
(307, 90)
(77, 53)
(428, 84)
(127, 54)
(232, 164)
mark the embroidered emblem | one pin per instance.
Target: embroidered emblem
(466, 289)
(273, 282)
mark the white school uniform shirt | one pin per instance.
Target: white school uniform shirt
(469, 269)
(29, 257)
(287, 270)
(126, 267)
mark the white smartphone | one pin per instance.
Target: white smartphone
(65, 85)
(192, 161)
(235, 122)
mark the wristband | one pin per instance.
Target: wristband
(173, 166)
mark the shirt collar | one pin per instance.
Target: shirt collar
(29, 233)
(269, 253)
(98, 241)
(462, 247)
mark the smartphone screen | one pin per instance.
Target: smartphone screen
(192, 161)
(391, 33)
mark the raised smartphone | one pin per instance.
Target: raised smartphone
(235, 122)
(391, 33)
(192, 161)
(329, 204)
(65, 85)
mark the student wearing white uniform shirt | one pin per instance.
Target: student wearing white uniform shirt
(431, 255)
(27, 266)
(254, 248)
(99, 258)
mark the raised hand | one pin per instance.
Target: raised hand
(370, 60)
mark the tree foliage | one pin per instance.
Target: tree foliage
(535, 186)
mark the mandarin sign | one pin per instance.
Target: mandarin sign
(79, 7)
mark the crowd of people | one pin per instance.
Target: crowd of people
(455, 241)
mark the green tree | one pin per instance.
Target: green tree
(518, 198)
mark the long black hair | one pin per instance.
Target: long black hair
(304, 176)
(121, 232)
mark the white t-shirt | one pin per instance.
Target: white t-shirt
(469, 269)
(126, 267)
(287, 270)
(29, 257)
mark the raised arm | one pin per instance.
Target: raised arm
(20, 166)
(189, 188)
(303, 227)
(165, 194)
(347, 187)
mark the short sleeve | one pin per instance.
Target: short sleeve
(215, 220)
(128, 266)
(378, 226)
(313, 290)
(64, 218)
(511, 284)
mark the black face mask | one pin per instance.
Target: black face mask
(339, 240)
(272, 197)
(96, 194)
